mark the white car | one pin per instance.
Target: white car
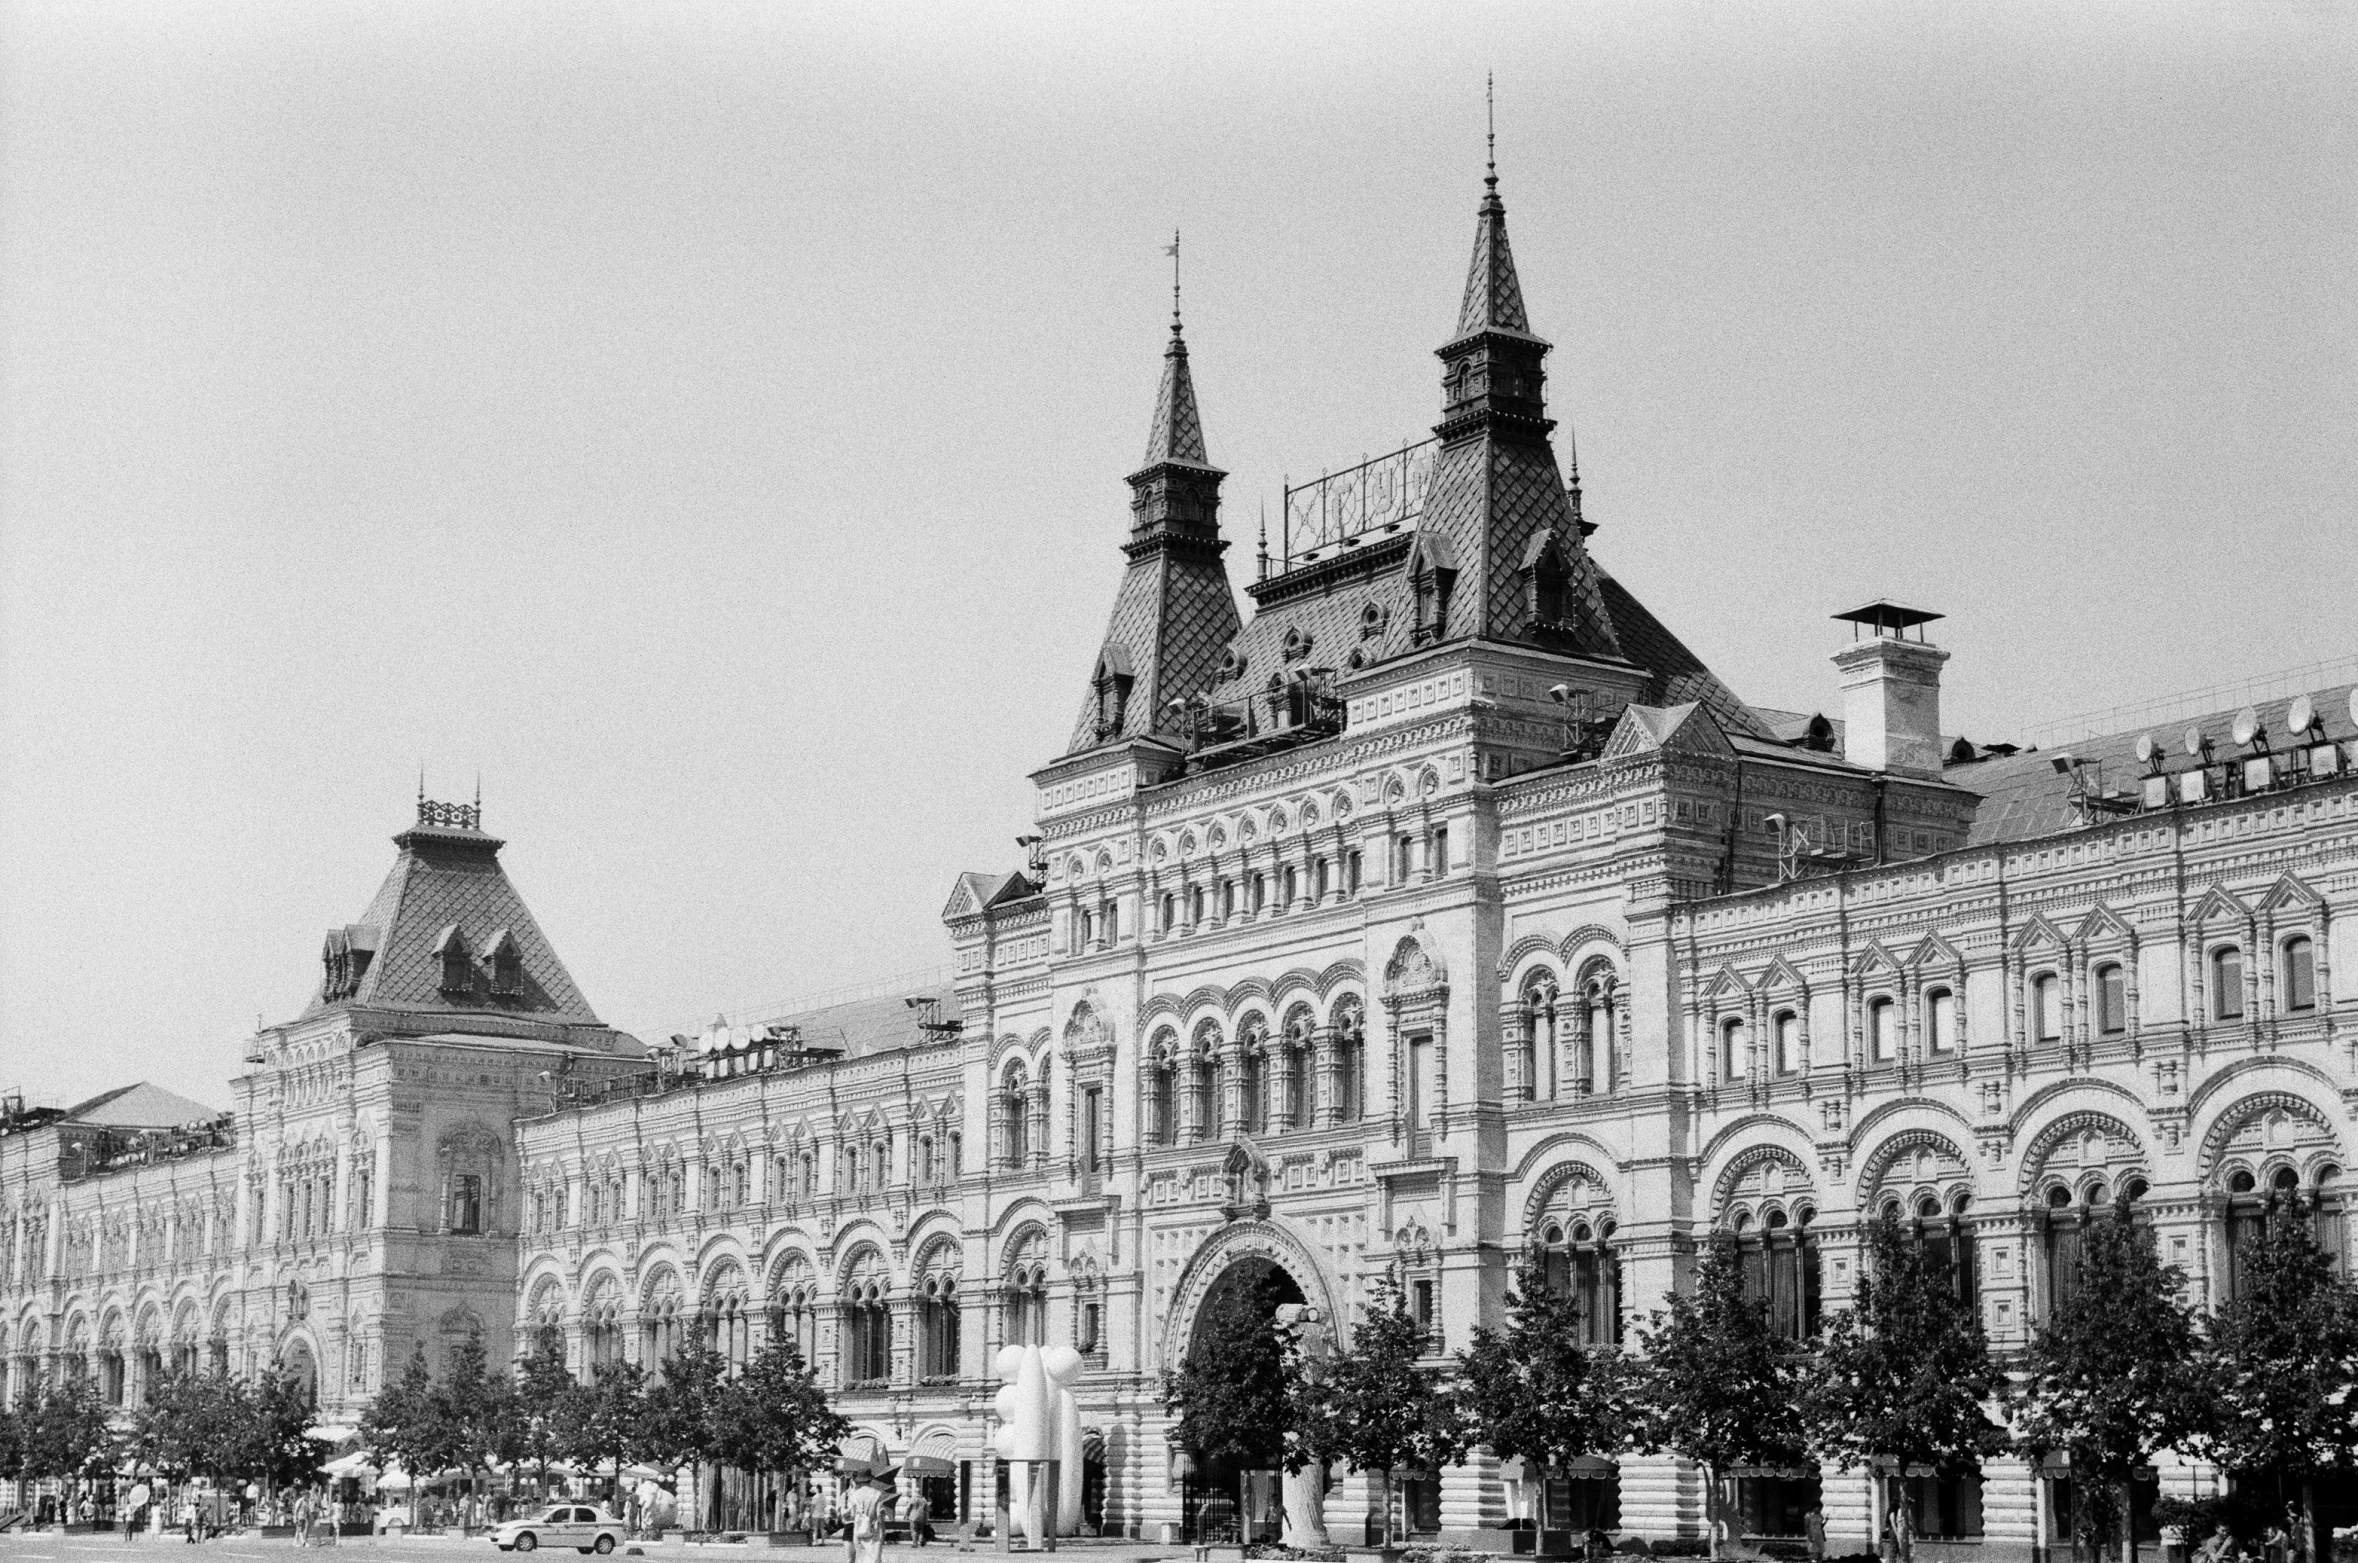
(580, 1526)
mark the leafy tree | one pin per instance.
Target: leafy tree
(2109, 1378)
(1904, 1373)
(1532, 1392)
(66, 1429)
(2281, 1364)
(1714, 1383)
(1377, 1407)
(608, 1417)
(12, 1443)
(470, 1406)
(775, 1417)
(545, 1401)
(281, 1408)
(409, 1422)
(204, 1423)
(680, 1406)
(1233, 1391)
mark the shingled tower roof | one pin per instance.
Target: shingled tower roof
(1498, 518)
(1175, 612)
(448, 934)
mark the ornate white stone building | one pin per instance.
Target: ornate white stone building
(1447, 910)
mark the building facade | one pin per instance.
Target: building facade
(1446, 911)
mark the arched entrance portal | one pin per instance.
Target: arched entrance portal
(1230, 1481)
(296, 1361)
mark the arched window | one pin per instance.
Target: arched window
(2299, 984)
(1882, 1031)
(659, 1322)
(1014, 1117)
(2227, 983)
(1780, 1262)
(725, 1321)
(1599, 1061)
(1162, 1091)
(937, 1314)
(1203, 1081)
(2112, 999)
(1350, 1061)
(1537, 1058)
(2064, 1214)
(2046, 1007)
(1940, 1020)
(1253, 1075)
(1578, 1261)
(867, 1323)
(1168, 911)
(1294, 1087)
(1025, 1292)
(601, 1324)
(1787, 1029)
(1195, 905)
(1735, 1050)
(880, 1155)
(794, 1308)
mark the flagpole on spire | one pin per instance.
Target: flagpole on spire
(1173, 252)
(1490, 115)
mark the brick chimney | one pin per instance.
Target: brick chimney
(1891, 691)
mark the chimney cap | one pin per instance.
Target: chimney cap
(1886, 617)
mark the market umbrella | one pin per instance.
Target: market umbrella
(353, 1464)
(137, 1495)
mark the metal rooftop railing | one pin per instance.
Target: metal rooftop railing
(1338, 510)
(2309, 678)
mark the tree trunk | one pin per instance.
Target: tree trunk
(2125, 1511)
(1385, 1487)
(1710, 1510)
(2309, 1548)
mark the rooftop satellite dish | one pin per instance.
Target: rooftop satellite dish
(2146, 748)
(2247, 725)
(2301, 715)
(2193, 740)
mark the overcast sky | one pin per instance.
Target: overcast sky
(709, 421)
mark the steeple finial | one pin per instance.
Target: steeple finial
(1494, 298)
(1173, 252)
(1263, 555)
(1490, 112)
(1178, 433)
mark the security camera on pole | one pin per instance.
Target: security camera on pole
(1039, 1432)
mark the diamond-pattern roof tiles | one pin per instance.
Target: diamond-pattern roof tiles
(452, 879)
(1494, 295)
(1178, 432)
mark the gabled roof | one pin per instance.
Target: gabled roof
(141, 1106)
(447, 889)
(976, 892)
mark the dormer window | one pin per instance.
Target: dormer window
(1232, 665)
(1547, 578)
(507, 965)
(1110, 688)
(344, 961)
(1297, 644)
(1432, 572)
(1371, 622)
(458, 970)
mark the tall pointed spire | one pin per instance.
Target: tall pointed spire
(1175, 613)
(1178, 433)
(1494, 296)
